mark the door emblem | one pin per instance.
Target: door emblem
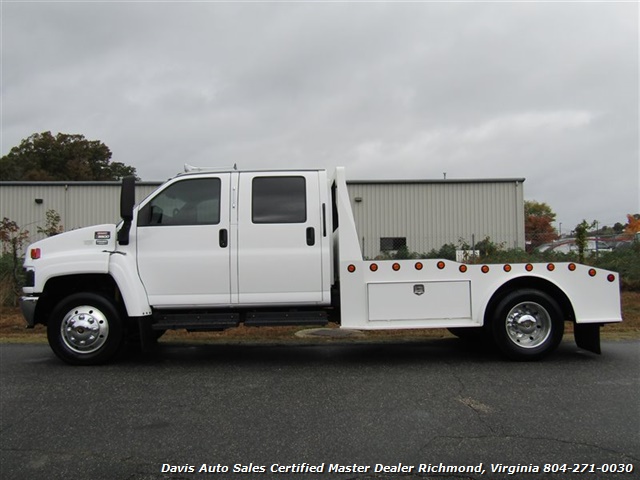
(418, 289)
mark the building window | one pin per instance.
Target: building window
(392, 243)
(279, 200)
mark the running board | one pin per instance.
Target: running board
(201, 322)
(281, 319)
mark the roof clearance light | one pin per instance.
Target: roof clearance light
(463, 268)
(507, 268)
(611, 277)
(441, 264)
(36, 253)
(396, 267)
(351, 268)
(551, 267)
(572, 267)
(485, 269)
(528, 267)
(419, 265)
(592, 272)
(373, 267)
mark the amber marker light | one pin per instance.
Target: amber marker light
(463, 268)
(351, 268)
(528, 267)
(396, 267)
(507, 268)
(35, 253)
(551, 267)
(419, 266)
(592, 272)
(373, 267)
(441, 265)
(572, 267)
(485, 269)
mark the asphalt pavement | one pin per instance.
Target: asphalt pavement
(364, 411)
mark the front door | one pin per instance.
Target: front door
(183, 243)
(279, 238)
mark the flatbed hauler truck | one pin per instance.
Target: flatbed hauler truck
(209, 250)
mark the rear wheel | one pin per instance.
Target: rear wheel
(527, 325)
(85, 329)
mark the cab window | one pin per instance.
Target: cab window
(279, 200)
(187, 202)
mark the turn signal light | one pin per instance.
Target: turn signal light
(36, 253)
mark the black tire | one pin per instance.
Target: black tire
(527, 325)
(86, 329)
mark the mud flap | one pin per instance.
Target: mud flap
(147, 339)
(587, 337)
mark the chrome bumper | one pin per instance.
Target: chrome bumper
(28, 308)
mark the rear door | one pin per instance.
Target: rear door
(280, 237)
(183, 243)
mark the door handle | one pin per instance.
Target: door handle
(311, 236)
(223, 238)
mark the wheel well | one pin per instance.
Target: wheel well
(59, 287)
(538, 284)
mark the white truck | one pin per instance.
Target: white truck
(209, 250)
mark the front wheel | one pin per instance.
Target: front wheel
(85, 329)
(527, 325)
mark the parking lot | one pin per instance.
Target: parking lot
(160, 415)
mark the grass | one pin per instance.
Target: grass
(12, 330)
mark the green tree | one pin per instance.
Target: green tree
(43, 156)
(52, 225)
(581, 231)
(538, 220)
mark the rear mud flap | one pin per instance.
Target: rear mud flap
(588, 337)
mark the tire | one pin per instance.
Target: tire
(528, 325)
(85, 329)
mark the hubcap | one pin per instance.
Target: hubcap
(84, 329)
(528, 325)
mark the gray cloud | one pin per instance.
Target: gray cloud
(544, 91)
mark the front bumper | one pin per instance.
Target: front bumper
(28, 308)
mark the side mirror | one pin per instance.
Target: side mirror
(127, 201)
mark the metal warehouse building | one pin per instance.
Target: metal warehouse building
(419, 214)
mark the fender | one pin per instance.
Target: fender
(123, 270)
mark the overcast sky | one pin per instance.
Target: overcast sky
(545, 91)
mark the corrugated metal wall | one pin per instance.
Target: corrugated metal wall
(80, 204)
(432, 214)
(429, 214)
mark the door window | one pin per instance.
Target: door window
(279, 200)
(188, 202)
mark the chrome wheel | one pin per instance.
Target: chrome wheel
(528, 325)
(84, 329)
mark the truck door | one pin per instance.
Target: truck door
(280, 237)
(183, 243)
